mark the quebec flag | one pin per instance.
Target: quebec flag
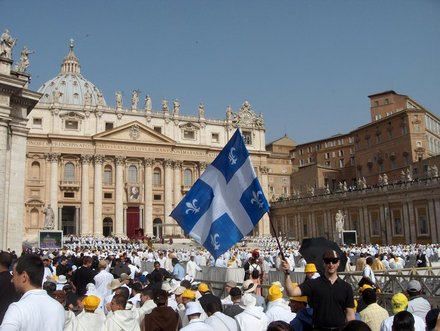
(225, 203)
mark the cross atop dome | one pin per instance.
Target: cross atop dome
(71, 63)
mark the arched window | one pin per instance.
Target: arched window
(108, 175)
(157, 180)
(69, 172)
(187, 177)
(132, 174)
(35, 170)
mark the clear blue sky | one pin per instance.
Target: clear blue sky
(307, 65)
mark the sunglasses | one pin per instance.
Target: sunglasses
(331, 260)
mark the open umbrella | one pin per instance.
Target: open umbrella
(312, 250)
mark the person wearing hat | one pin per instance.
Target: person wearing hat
(48, 269)
(417, 304)
(303, 319)
(162, 317)
(277, 307)
(187, 297)
(330, 296)
(90, 318)
(235, 308)
(252, 317)
(227, 300)
(61, 281)
(310, 271)
(250, 287)
(399, 303)
(207, 297)
(193, 313)
(373, 314)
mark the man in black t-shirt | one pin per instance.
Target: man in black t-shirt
(330, 297)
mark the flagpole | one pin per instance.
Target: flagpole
(276, 236)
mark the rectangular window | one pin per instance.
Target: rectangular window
(108, 195)
(37, 122)
(108, 126)
(158, 129)
(215, 138)
(340, 152)
(69, 194)
(157, 197)
(71, 125)
(247, 137)
(397, 223)
(341, 163)
(375, 223)
(327, 156)
(422, 221)
(187, 134)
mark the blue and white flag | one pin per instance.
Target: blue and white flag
(225, 203)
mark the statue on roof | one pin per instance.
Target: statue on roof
(201, 110)
(6, 44)
(100, 98)
(118, 99)
(87, 98)
(164, 105)
(176, 107)
(56, 95)
(23, 63)
(229, 113)
(134, 99)
(147, 103)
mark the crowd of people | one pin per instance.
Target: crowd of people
(100, 284)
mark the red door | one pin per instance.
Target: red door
(132, 221)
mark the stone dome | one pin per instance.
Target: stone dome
(69, 86)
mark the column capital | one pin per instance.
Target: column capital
(53, 157)
(177, 164)
(86, 158)
(203, 165)
(264, 170)
(168, 163)
(98, 158)
(120, 160)
(148, 161)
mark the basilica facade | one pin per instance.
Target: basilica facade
(121, 170)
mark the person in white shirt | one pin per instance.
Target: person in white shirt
(193, 312)
(368, 272)
(277, 308)
(36, 310)
(253, 317)
(120, 318)
(219, 321)
(91, 318)
(417, 304)
(103, 279)
(192, 268)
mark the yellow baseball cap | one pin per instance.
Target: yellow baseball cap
(189, 294)
(310, 267)
(399, 302)
(91, 302)
(274, 293)
(203, 287)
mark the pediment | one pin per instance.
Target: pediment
(134, 132)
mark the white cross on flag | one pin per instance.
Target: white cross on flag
(225, 203)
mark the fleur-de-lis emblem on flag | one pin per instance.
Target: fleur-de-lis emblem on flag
(257, 199)
(214, 241)
(232, 158)
(192, 207)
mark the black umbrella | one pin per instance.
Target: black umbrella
(312, 250)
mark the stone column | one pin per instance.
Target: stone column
(3, 195)
(148, 197)
(85, 226)
(97, 203)
(124, 228)
(141, 216)
(77, 223)
(168, 196)
(412, 222)
(202, 168)
(177, 188)
(405, 222)
(53, 194)
(119, 202)
(264, 224)
(60, 218)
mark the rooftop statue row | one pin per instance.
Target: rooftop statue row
(7, 43)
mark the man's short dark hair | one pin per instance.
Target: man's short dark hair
(369, 296)
(123, 291)
(161, 298)
(34, 267)
(369, 260)
(403, 321)
(235, 292)
(120, 300)
(356, 325)
(213, 307)
(148, 292)
(137, 287)
(5, 259)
